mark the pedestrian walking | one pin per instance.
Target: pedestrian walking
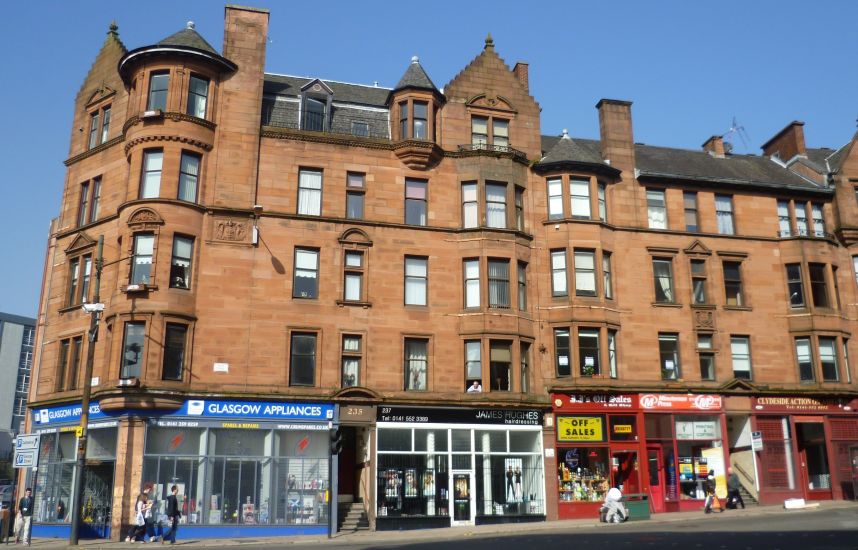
(138, 527)
(25, 508)
(734, 495)
(712, 500)
(173, 514)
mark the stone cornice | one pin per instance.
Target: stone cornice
(172, 115)
(158, 138)
(331, 139)
(94, 151)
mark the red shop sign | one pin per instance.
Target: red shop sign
(800, 404)
(594, 401)
(679, 402)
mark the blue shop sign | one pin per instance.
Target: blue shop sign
(199, 408)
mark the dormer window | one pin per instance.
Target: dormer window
(316, 98)
(158, 84)
(314, 115)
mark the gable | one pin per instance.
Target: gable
(100, 94)
(698, 248)
(80, 242)
(318, 87)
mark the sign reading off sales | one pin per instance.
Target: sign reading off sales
(580, 428)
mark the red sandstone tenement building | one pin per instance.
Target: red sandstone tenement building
(503, 323)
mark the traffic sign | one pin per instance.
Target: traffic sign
(27, 450)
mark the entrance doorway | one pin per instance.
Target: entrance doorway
(624, 469)
(97, 500)
(463, 501)
(813, 455)
(655, 468)
(346, 465)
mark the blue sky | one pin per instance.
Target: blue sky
(689, 68)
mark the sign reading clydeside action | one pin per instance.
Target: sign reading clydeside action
(801, 404)
(420, 415)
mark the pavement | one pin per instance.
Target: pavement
(364, 538)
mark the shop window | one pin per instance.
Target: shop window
(692, 223)
(818, 285)
(558, 273)
(355, 195)
(698, 438)
(306, 280)
(795, 285)
(416, 203)
(473, 365)
(352, 358)
(706, 356)
(519, 208)
(562, 352)
(53, 479)
(555, 198)
(698, 282)
(579, 193)
(607, 282)
(302, 359)
(500, 365)
(662, 269)
(198, 94)
(141, 262)
(496, 205)
(622, 427)
(724, 214)
(740, 349)
(416, 280)
(416, 364)
(828, 358)
(733, 284)
(158, 85)
(310, 192)
(589, 353)
(498, 276)
(585, 272)
(133, 350)
(150, 182)
(784, 222)
(668, 349)
(189, 174)
(471, 270)
(522, 286)
(175, 341)
(180, 263)
(656, 209)
(804, 359)
(584, 474)
(353, 276)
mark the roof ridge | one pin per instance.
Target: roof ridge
(329, 80)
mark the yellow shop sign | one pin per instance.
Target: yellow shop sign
(580, 428)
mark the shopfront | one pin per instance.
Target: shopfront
(661, 446)
(242, 468)
(439, 467)
(805, 447)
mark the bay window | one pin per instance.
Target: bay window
(141, 266)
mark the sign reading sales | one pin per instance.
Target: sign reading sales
(680, 402)
(580, 428)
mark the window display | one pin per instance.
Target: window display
(583, 474)
(250, 477)
(695, 434)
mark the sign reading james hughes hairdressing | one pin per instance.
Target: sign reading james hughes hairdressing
(426, 415)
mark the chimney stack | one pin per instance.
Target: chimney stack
(715, 146)
(787, 143)
(521, 73)
(616, 136)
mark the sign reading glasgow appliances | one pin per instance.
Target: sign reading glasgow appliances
(507, 417)
(199, 408)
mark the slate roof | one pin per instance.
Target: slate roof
(836, 158)
(372, 96)
(188, 38)
(415, 77)
(670, 163)
(818, 159)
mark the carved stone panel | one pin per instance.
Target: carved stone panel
(704, 319)
(231, 230)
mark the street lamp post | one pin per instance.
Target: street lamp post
(94, 309)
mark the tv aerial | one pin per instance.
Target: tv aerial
(736, 129)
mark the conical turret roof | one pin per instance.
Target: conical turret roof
(415, 77)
